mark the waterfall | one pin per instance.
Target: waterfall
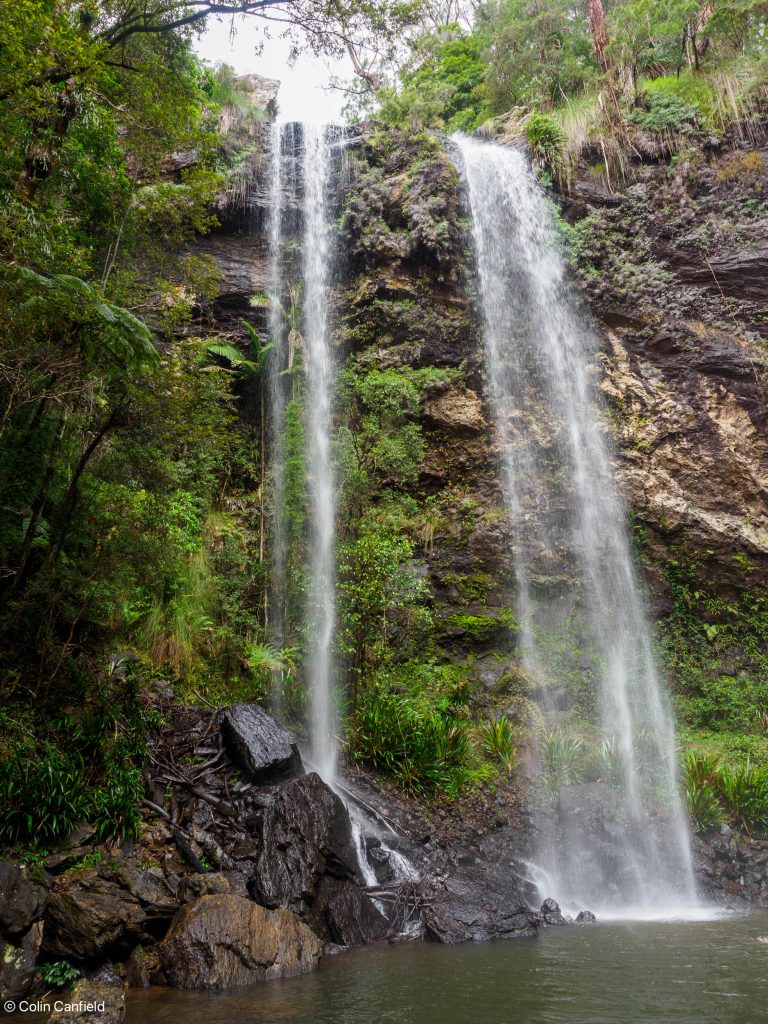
(621, 847)
(321, 617)
(277, 400)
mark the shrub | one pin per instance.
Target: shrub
(703, 805)
(744, 792)
(563, 759)
(419, 734)
(42, 792)
(667, 113)
(717, 791)
(498, 738)
(60, 974)
(547, 141)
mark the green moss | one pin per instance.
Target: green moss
(717, 651)
(479, 629)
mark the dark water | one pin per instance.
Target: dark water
(631, 973)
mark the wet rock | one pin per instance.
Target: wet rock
(586, 917)
(22, 900)
(458, 410)
(142, 968)
(89, 914)
(98, 998)
(469, 911)
(305, 833)
(17, 963)
(225, 941)
(261, 748)
(550, 911)
(347, 914)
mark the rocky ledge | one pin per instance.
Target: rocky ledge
(246, 868)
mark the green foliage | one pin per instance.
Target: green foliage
(563, 758)
(412, 723)
(498, 738)
(744, 792)
(383, 598)
(59, 974)
(547, 141)
(717, 651)
(87, 768)
(703, 806)
(718, 791)
(442, 86)
(666, 112)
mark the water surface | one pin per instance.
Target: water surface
(713, 972)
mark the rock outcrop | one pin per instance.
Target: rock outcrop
(97, 998)
(226, 941)
(734, 868)
(23, 901)
(261, 748)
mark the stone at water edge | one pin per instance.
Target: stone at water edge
(550, 911)
(226, 941)
(258, 745)
(586, 917)
(306, 818)
(99, 998)
(17, 963)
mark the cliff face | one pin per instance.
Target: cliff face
(674, 273)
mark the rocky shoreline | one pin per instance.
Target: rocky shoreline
(250, 868)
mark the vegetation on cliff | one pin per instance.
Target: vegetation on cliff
(134, 495)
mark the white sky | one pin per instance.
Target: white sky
(304, 94)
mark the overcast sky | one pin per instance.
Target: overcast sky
(303, 96)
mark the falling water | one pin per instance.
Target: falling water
(318, 252)
(277, 398)
(622, 849)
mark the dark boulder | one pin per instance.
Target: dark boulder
(469, 911)
(550, 911)
(225, 941)
(260, 747)
(304, 834)
(586, 917)
(98, 998)
(106, 909)
(346, 914)
(22, 900)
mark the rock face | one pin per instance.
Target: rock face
(98, 998)
(305, 834)
(106, 910)
(261, 748)
(470, 911)
(23, 901)
(307, 862)
(733, 868)
(226, 941)
(17, 962)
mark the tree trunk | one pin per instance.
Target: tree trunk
(599, 35)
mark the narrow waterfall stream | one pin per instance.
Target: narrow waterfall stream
(300, 177)
(621, 845)
(277, 396)
(321, 617)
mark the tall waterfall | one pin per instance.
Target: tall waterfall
(620, 848)
(318, 246)
(299, 202)
(277, 396)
